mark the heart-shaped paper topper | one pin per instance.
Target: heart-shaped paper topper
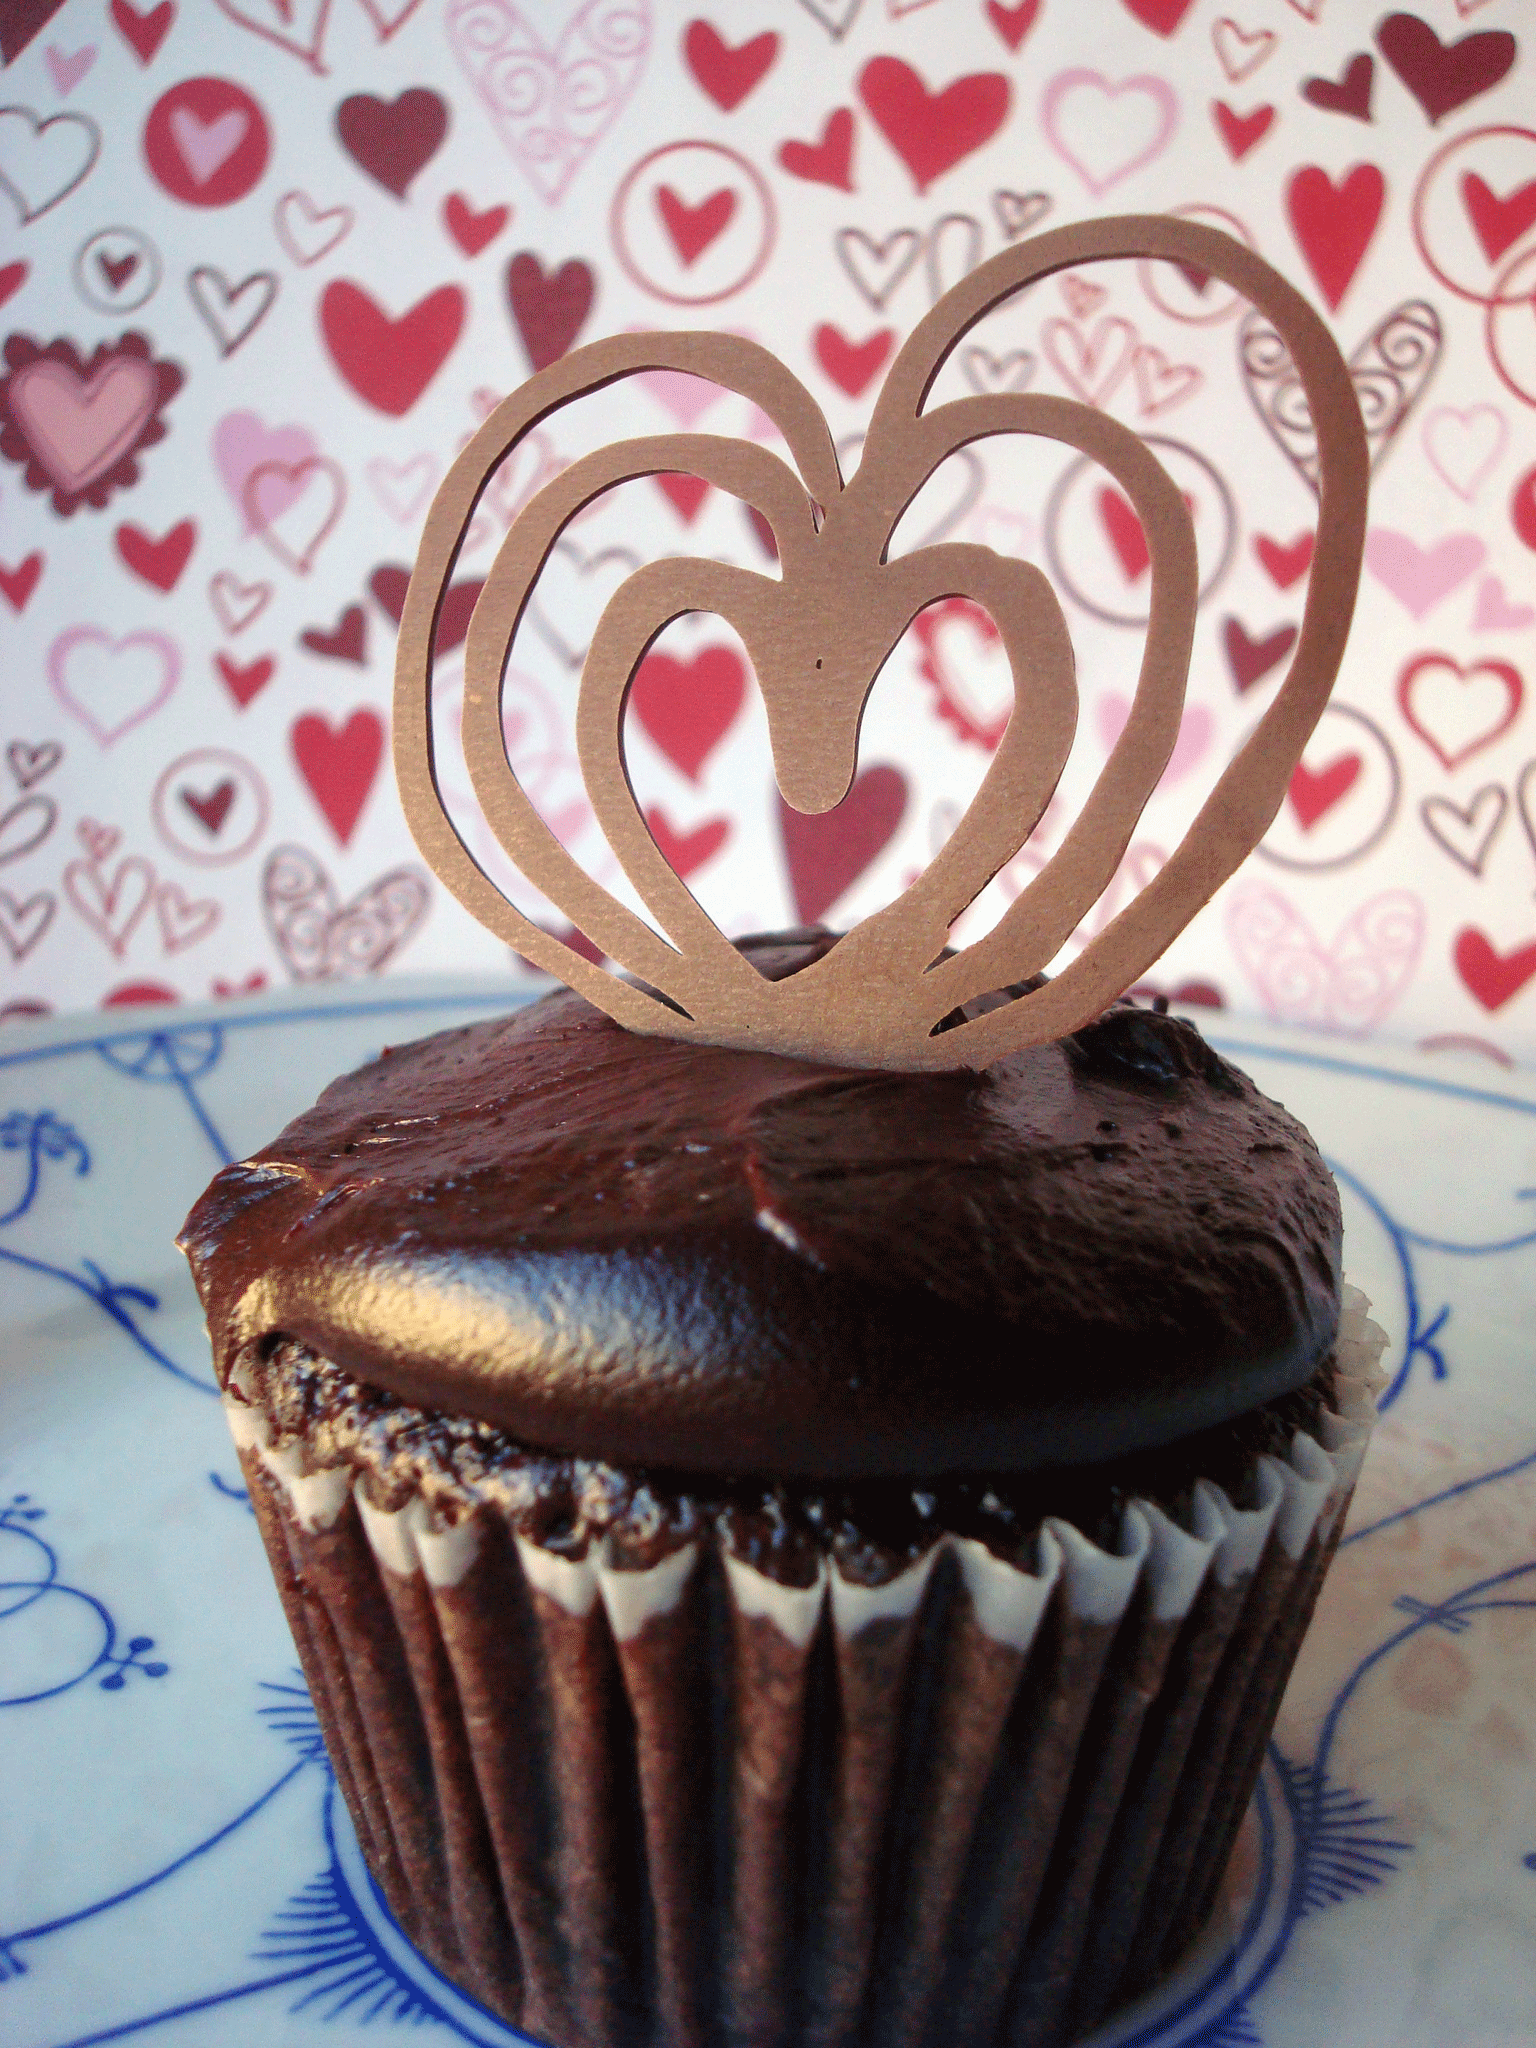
(818, 635)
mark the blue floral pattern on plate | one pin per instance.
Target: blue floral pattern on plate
(178, 1865)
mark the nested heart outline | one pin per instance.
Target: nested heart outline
(818, 636)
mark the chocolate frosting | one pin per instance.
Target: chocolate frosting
(724, 1262)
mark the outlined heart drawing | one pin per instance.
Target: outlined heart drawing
(77, 425)
(550, 102)
(1390, 368)
(1349, 984)
(112, 685)
(319, 937)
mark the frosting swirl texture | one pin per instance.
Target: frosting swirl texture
(702, 1260)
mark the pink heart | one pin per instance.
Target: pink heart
(1420, 577)
(550, 100)
(67, 68)
(112, 685)
(402, 488)
(241, 444)
(206, 146)
(1104, 142)
(1464, 446)
(1348, 986)
(1196, 730)
(1495, 613)
(686, 398)
(78, 427)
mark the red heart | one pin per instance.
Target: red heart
(693, 228)
(158, 562)
(1249, 660)
(1350, 95)
(1124, 529)
(829, 161)
(1161, 16)
(1286, 565)
(211, 810)
(1241, 132)
(727, 71)
(469, 229)
(389, 363)
(1444, 76)
(764, 533)
(1334, 223)
(548, 308)
(1314, 792)
(392, 139)
(12, 277)
(244, 682)
(826, 854)
(1522, 508)
(687, 493)
(339, 765)
(1013, 24)
(1499, 221)
(685, 851)
(933, 131)
(390, 583)
(348, 642)
(1491, 976)
(20, 582)
(134, 993)
(144, 33)
(688, 707)
(852, 364)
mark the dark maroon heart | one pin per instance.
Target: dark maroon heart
(826, 854)
(389, 584)
(1444, 76)
(548, 307)
(1250, 660)
(348, 642)
(1352, 93)
(117, 269)
(393, 139)
(210, 810)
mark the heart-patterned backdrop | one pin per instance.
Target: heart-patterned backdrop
(269, 262)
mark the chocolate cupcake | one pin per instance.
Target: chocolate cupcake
(786, 1554)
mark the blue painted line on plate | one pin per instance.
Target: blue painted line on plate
(1435, 1500)
(192, 2005)
(12, 1941)
(1329, 1063)
(513, 999)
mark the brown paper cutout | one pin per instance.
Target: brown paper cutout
(818, 635)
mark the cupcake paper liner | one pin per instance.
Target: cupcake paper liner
(690, 1805)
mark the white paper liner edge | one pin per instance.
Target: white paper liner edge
(634, 1598)
(1008, 1603)
(793, 1610)
(1295, 1496)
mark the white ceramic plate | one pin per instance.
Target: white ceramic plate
(174, 1864)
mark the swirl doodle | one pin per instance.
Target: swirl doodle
(67, 1653)
(1389, 370)
(549, 104)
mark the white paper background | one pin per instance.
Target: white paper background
(1400, 897)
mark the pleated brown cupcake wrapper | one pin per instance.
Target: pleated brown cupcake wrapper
(690, 1805)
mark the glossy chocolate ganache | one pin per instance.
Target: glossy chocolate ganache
(727, 1263)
